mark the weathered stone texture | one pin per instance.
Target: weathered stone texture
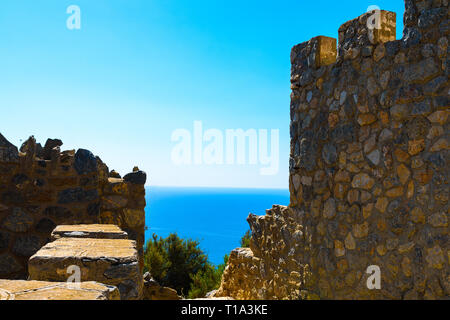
(154, 291)
(42, 187)
(109, 261)
(41, 290)
(369, 170)
(96, 231)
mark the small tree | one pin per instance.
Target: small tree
(172, 261)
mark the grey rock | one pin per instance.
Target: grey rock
(18, 221)
(8, 151)
(45, 226)
(50, 144)
(26, 245)
(5, 238)
(77, 195)
(411, 37)
(431, 17)
(85, 162)
(421, 108)
(374, 157)
(8, 265)
(137, 177)
(422, 71)
(329, 153)
(434, 85)
(58, 213)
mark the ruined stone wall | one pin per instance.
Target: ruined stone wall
(42, 187)
(369, 169)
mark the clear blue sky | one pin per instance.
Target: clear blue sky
(139, 69)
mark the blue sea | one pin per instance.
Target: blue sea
(216, 217)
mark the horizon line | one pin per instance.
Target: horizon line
(216, 187)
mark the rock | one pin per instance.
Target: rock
(434, 85)
(114, 174)
(339, 249)
(395, 192)
(26, 245)
(403, 173)
(421, 108)
(385, 135)
(401, 155)
(136, 177)
(366, 119)
(85, 162)
(405, 248)
(363, 181)
(109, 261)
(416, 146)
(41, 290)
(431, 17)
(58, 213)
(5, 238)
(329, 153)
(379, 52)
(50, 144)
(8, 152)
(375, 157)
(361, 230)
(45, 226)
(114, 202)
(18, 221)
(439, 117)
(9, 265)
(134, 217)
(350, 243)
(153, 291)
(329, 210)
(417, 215)
(353, 196)
(399, 112)
(441, 144)
(96, 231)
(438, 220)
(382, 204)
(422, 71)
(77, 195)
(435, 257)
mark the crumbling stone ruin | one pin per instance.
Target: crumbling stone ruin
(61, 209)
(369, 169)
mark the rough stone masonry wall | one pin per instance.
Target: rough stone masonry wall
(369, 169)
(42, 187)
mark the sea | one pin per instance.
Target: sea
(216, 217)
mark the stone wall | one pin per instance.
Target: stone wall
(41, 187)
(369, 169)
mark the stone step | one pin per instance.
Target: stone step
(42, 290)
(97, 231)
(108, 261)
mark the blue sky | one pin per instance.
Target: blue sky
(140, 69)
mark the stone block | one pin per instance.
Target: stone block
(109, 261)
(96, 231)
(41, 290)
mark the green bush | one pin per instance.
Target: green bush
(245, 240)
(182, 265)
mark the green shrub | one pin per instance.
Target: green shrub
(245, 240)
(182, 265)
